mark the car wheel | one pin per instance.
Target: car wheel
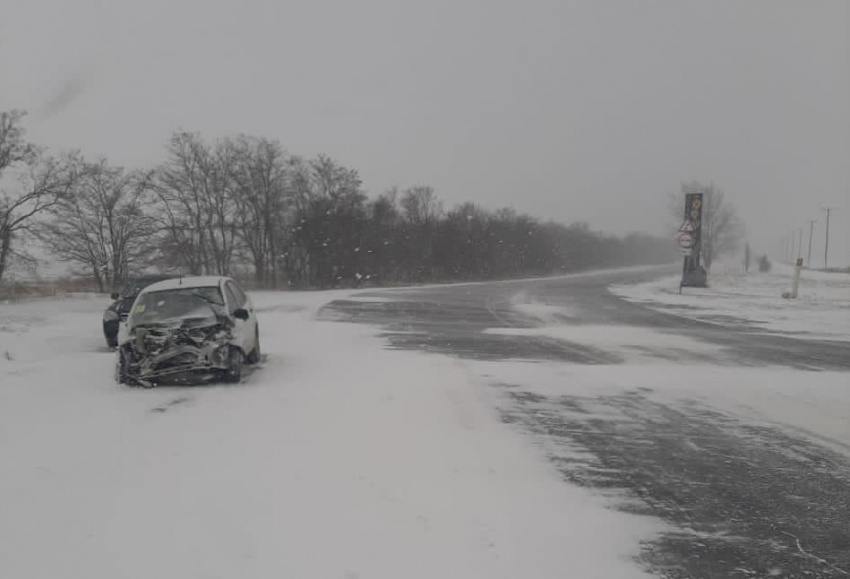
(233, 374)
(256, 354)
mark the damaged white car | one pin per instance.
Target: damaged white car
(188, 330)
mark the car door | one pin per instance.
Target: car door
(247, 304)
(123, 308)
(245, 299)
(243, 330)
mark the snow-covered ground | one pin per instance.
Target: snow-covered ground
(340, 458)
(336, 458)
(822, 310)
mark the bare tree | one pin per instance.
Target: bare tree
(332, 181)
(103, 225)
(420, 205)
(330, 219)
(197, 205)
(384, 261)
(263, 176)
(221, 208)
(35, 183)
(421, 211)
(722, 231)
(14, 148)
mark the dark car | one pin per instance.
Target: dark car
(118, 311)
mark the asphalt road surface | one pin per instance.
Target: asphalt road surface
(748, 500)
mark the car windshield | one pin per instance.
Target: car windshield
(163, 306)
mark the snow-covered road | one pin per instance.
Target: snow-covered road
(738, 439)
(336, 458)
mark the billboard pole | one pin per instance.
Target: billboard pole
(690, 240)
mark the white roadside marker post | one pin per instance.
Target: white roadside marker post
(795, 281)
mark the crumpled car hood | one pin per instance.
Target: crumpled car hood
(178, 347)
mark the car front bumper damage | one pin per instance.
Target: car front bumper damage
(156, 355)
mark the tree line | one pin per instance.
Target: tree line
(244, 206)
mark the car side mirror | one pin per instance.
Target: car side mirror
(114, 295)
(241, 314)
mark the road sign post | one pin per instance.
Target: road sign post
(690, 237)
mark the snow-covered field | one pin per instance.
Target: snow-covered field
(822, 310)
(336, 458)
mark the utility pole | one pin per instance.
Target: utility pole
(793, 251)
(826, 246)
(811, 232)
(799, 243)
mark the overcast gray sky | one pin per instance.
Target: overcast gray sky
(576, 110)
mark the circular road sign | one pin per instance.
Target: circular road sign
(685, 240)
